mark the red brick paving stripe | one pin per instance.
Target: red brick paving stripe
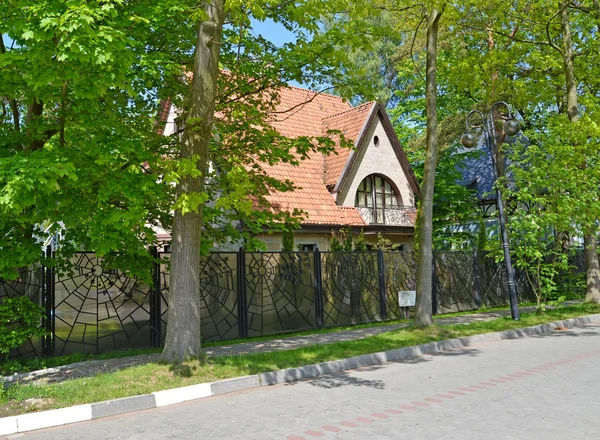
(458, 393)
(420, 403)
(470, 388)
(331, 428)
(380, 415)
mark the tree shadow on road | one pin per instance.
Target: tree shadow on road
(560, 332)
(348, 378)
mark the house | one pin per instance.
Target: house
(477, 174)
(370, 187)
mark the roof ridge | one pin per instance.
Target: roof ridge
(312, 91)
(349, 110)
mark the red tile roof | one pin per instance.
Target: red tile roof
(305, 113)
(350, 123)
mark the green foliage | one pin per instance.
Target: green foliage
(80, 87)
(360, 244)
(287, 240)
(20, 319)
(482, 237)
(555, 184)
(385, 244)
(341, 241)
(453, 203)
(348, 238)
(334, 243)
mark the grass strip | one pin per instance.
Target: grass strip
(28, 365)
(155, 376)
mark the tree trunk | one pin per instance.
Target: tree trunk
(590, 254)
(592, 264)
(572, 100)
(183, 329)
(423, 311)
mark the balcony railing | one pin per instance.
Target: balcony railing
(399, 216)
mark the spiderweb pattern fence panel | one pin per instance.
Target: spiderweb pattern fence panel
(350, 288)
(400, 271)
(218, 273)
(280, 292)
(99, 309)
(456, 282)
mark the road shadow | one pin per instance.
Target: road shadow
(348, 379)
(572, 332)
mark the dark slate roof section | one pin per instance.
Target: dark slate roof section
(477, 171)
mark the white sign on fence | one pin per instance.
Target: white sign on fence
(407, 298)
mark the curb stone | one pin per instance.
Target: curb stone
(80, 413)
(122, 406)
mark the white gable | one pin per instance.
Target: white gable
(375, 159)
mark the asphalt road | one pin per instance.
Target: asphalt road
(543, 387)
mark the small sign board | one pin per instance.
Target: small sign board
(407, 298)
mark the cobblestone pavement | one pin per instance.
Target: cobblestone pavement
(91, 368)
(543, 387)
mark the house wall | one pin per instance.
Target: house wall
(273, 241)
(170, 125)
(373, 159)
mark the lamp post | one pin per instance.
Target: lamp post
(469, 140)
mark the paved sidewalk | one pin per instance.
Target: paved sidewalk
(92, 368)
(538, 388)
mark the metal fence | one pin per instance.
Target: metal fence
(246, 294)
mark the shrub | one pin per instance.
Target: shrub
(360, 244)
(20, 319)
(287, 239)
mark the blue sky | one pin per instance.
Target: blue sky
(274, 32)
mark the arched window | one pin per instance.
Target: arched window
(376, 196)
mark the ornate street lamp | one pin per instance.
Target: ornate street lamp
(469, 140)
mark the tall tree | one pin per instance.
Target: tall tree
(590, 227)
(423, 312)
(240, 141)
(183, 333)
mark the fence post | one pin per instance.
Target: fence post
(434, 282)
(156, 302)
(48, 301)
(242, 300)
(382, 293)
(477, 278)
(319, 305)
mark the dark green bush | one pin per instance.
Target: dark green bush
(20, 319)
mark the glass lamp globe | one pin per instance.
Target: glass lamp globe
(511, 127)
(469, 139)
